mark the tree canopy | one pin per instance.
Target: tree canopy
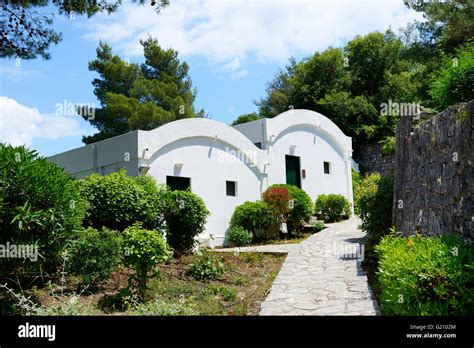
(448, 23)
(429, 63)
(26, 33)
(145, 96)
(246, 118)
(347, 85)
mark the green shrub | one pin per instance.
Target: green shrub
(388, 146)
(426, 276)
(255, 217)
(332, 207)
(453, 82)
(301, 207)
(117, 201)
(39, 205)
(375, 204)
(356, 182)
(238, 236)
(94, 255)
(144, 249)
(206, 266)
(185, 216)
(318, 226)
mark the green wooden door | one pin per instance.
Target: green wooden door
(293, 171)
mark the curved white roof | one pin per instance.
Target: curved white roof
(205, 128)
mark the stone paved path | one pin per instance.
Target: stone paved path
(321, 275)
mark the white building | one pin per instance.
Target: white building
(225, 165)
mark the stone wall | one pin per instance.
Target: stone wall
(369, 158)
(434, 175)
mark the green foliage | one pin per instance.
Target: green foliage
(117, 201)
(448, 24)
(301, 207)
(255, 217)
(30, 35)
(318, 226)
(388, 146)
(348, 85)
(356, 182)
(238, 236)
(426, 276)
(165, 308)
(356, 115)
(39, 205)
(143, 250)
(332, 207)
(229, 294)
(375, 204)
(246, 118)
(94, 255)
(374, 207)
(142, 96)
(206, 266)
(453, 82)
(185, 216)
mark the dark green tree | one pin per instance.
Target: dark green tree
(26, 33)
(448, 23)
(348, 85)
(142, 96)
(246, 118)
(453, 82)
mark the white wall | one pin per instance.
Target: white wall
(212, 152)
(313, 148)
(209, 165)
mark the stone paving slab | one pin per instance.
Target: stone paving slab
(269, 248)
(321, 275)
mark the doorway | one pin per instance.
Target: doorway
(293, 170)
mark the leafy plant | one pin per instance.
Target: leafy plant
(375, 204)
(332, 207)
(29, 306)
(185, 216)
(356, 182)
(426, 275)
(388, 146)
(94, 255)
(39, 206)
(318, 226)
(228, 294)
(144, 249)
(165, 308)
(301, 207)
(453, 82)
(117, 201)
(255, 217)
(278, 200)
(206, 266)
(238, 236)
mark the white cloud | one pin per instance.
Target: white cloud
(18, 73)
(20, 124)
(224, 30)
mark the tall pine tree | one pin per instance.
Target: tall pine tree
(142, 96)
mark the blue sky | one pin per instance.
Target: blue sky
(233, 48)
